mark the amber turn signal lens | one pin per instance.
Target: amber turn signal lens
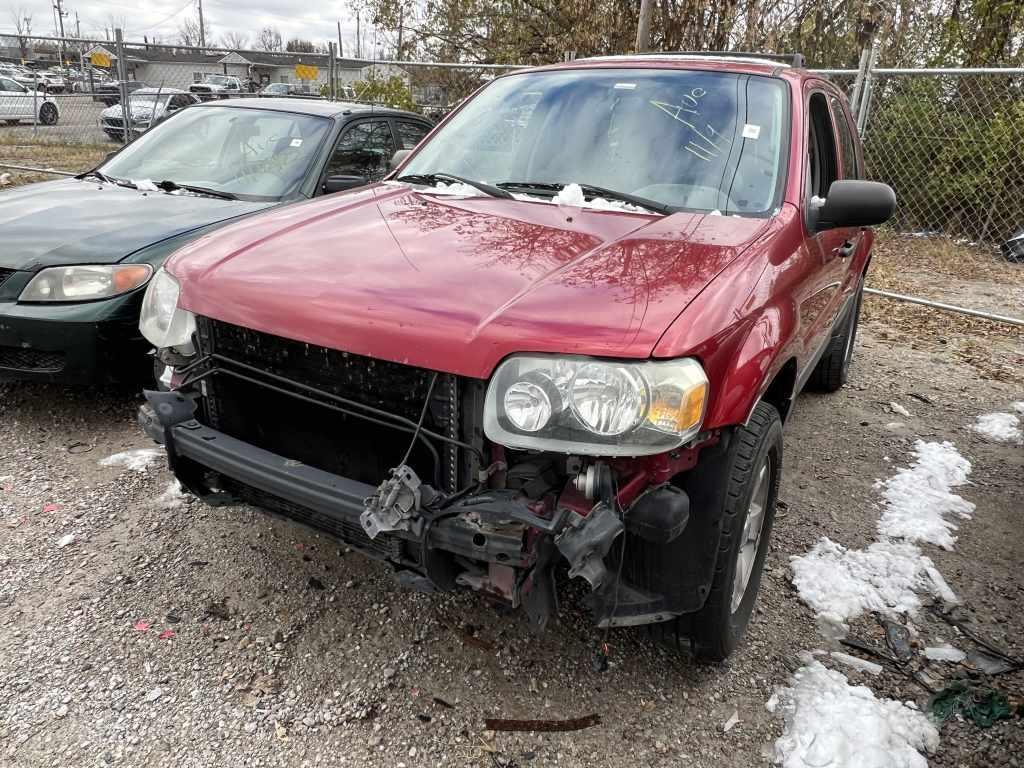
(677, 410)
(130, 276)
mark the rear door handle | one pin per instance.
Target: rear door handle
(846, 249)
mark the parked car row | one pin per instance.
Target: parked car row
(563, 331)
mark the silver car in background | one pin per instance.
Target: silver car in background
(146, 107)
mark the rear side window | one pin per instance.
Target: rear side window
(847, 144)
(410, 134)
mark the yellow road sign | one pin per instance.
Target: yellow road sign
(306, 71)
(99, 59)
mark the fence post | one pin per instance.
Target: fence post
(864, 104)
(858, 83)
(122, 77)
(332, 76)
(35, 107)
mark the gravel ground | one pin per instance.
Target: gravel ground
(168, 633)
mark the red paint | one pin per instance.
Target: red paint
(457, 285)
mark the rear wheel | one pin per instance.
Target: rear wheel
(750, 475)
(48, 114)
(833, 369)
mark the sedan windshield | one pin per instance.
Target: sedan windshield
(253, 154)
(685, 139)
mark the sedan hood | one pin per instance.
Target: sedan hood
(85, 222)
(456, 284)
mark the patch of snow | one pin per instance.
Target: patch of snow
(841, 584)
(945, 653)
(572, 194)
(897, 408)
(940, 587)
(918, 498)
(1001, 427)
(65, 541)
(172, 497)
(145, 185)
(831, 724)
(1018, 406)
(455, 188)
(715, 212)
(5, 179)
(136, 461)
(855, 662)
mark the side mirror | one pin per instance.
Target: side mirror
(341, 183)
(398, 158)
(855, 203)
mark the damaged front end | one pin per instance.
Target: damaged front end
(394, 461)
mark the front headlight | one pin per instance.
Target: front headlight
(595, 407)
(85, 282)
(162, 322)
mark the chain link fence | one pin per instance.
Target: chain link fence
(950, 142)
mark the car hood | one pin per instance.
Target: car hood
(85, 222)
(456, 284)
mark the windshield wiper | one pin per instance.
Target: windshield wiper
(106, 179)
(430, 179)
(589, 190)
(169, 186)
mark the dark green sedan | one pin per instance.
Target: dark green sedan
(76, 254)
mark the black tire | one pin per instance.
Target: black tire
(48, 114)
(716, 629)
(833, 368)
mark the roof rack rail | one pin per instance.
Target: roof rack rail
(792, 59)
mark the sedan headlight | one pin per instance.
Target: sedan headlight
(162, 322)
(595, 407)
(85, 282)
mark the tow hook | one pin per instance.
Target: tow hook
(586, 540)
(396, 504)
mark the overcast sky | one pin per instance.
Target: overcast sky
(315, 21)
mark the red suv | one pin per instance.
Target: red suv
(565, 332)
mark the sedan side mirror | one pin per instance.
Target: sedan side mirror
(855, 203)
(398, 158)
(340, 183)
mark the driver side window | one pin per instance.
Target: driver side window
(364, 150)
(822, 168)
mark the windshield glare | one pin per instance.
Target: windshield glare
(252, 153)
(694, 140)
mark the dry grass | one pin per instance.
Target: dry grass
(61, 157)
(955, 273)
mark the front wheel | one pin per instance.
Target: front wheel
(48, 114)
(745, 481)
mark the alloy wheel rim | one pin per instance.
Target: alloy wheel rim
(753, 527)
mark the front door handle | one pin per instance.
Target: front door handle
(846, 249)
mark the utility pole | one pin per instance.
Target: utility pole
(643, 27)
(359, 38)
(341, 50)
(401, 23)
(78, 26)
(202, 26)
(60, 17)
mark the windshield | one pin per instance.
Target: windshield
(216, 79)
(252, 153)
(692, 140)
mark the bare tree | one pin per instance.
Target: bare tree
(23, 26)
(269, 39)
(236, 41)
(189, 32)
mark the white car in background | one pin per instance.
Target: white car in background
(19, 103)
